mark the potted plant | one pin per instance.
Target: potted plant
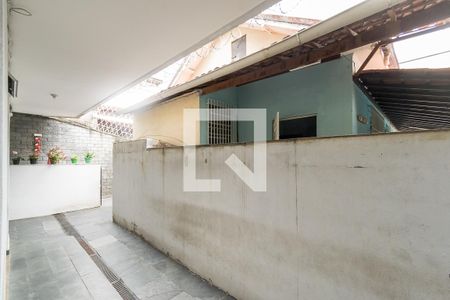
(55, 155)
(88, 157)
(33, 158)
(74, 159)
(16, 158)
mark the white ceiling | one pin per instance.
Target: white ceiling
(85, 51)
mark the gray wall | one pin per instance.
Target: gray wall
(360, 217)
(70, 138)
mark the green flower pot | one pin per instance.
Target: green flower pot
(74, 161)
(88, 160)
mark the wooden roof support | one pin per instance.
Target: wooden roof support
(436, 13)
(367, 60)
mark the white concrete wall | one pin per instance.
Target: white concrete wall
(364, 217)
(4, 144)
(41, 190)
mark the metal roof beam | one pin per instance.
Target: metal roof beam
(412, 97)
(412, 90)
(390, 111)
(413, 105)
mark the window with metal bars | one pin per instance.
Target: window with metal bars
(221, 129)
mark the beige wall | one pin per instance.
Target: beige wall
(256, 40)
(377, 61)
(218, 53)
(165, 121)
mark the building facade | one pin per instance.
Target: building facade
(324, 97)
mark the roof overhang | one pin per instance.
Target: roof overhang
(366, 23)
(412, 99)
(87, 51)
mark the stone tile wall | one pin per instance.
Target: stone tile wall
(70, 138)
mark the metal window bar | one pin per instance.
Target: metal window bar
(220, 127)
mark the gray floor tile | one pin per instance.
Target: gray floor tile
(83, 263)
(99, 287)
(48, 264)
(138, 277)
(165, 296)
(161, 286)
(184, 296)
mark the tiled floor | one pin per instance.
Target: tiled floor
(48, 264)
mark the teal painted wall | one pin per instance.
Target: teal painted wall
(364, 106)
(326, 90)
(323, 90)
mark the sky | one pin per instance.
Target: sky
(410, 49)
(143, 90)
(425, 45)
(312, 9)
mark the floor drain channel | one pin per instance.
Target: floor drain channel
(115, 281)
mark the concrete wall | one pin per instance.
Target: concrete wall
(44, 190)
(360, 217)
(70, 138)
(165, 122)
(4, 145)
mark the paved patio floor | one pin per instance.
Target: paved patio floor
(46, 263)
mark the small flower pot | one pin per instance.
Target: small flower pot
(74, 161)
(33, 161)
(54, 161)
(16, 161)
(88, 160)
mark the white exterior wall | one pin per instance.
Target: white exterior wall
(42, 190)
(4, 145)
(363, 217)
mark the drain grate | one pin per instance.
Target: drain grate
(123, 291)
(105, 270)
(115, 281)
(86, 246)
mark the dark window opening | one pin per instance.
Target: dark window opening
(12, 86)
(239, 48)
(298, 127)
